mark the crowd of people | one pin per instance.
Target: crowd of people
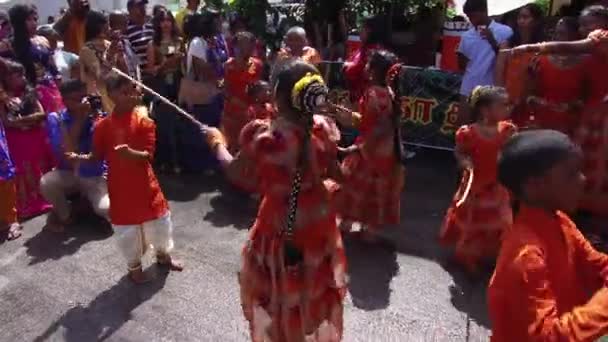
(72, 123)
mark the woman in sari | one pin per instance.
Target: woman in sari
(510, 70)
(557, 84)
(24, 120)
(97, 55)
(35, 54)
(591, 134)
(201, 91)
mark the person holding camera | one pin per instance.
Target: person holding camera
(71, 131)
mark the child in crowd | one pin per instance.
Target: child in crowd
(241, 71)
(261, 107)
(373, 175)
(139, 211)
(24, 120)
(10, 229)
(549, 283)
(481, 210)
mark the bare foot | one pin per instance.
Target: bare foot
(138, 276)
(169, 262)
(56, 225)
(14, 232)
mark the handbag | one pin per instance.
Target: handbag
(193, 92)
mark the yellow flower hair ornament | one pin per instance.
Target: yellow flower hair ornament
(309, 93)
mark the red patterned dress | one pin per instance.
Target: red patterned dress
(373, 177)
(282, 303)
(237, 78)
(475, 227)
(592, 133)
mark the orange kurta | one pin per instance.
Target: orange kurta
(237, 79)
(547, 285)
(592, 133)
(278, 301)
(476, 226)
(134, 191)
(373, 177)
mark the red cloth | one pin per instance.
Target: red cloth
(134, 191)
(547, 285)
(354, 71)
(262, 111)
(237, 79)
(558, 86)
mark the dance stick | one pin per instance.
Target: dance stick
(163, 99)
(467, 190)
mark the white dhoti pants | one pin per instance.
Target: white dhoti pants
(134, 240)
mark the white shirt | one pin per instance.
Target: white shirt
(481, 56)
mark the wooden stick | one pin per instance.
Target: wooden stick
(163, 99)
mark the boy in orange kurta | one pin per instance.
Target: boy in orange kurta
(139, 211)
(549, 283)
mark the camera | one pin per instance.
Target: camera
(95, 102)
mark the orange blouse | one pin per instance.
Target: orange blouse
(134, 191)
(483, 151)
(547, 284)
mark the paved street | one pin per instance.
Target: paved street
(72, 287)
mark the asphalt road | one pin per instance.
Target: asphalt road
(72, 287)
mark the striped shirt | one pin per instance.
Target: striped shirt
(140, 36)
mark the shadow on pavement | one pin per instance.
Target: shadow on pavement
(106, 314)
(371, 268)
(47, 245)
(232, 208)
(188, 187)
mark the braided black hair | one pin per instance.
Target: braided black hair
(532, 154)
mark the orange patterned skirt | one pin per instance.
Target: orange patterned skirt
(302, 303)
(369, 194)
(475, 228)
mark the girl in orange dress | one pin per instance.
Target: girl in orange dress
(481, 210)
(373, 175)
(292, 277)
(557, 84)
(549, 283)
(241, 71)
(262, 107)
(592, 132)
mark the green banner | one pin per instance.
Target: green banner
(429, 100)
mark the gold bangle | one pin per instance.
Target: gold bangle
(215, 139)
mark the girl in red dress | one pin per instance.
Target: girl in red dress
(557, 84)
(481, 210)
(261, 107)
(293, 270)
(241, 71)
(592, 132)
(373, 175)
(372, 35)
